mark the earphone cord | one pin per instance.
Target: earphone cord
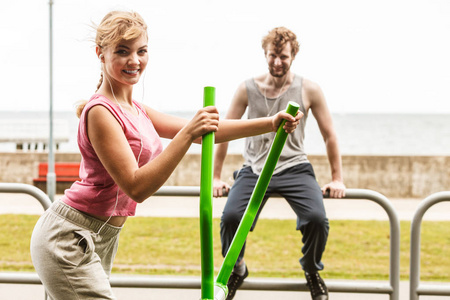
(261, 137)
(106, 222)
(138, 158)
(120, 106)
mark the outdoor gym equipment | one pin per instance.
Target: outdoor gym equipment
(220, 291)
(206, 197)
(260, 189)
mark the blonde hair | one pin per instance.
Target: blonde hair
(120, 25)
(115, 27)
(279, 37)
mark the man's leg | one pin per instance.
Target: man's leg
(299, 187)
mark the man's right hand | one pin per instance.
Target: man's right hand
(219, 186)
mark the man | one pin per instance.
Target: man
(293, 178)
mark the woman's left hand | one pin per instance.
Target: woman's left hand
(291, 122)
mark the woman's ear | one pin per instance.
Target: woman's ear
(98, 50)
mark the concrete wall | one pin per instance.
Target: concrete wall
(22, 167)
(392, 176)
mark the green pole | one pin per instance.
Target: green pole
(206, 196)
(253, 205)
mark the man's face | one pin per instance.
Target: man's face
(280, 62)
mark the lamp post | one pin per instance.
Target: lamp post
(51, 177)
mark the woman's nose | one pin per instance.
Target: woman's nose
(134, 59)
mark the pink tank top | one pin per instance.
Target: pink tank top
(96, 192)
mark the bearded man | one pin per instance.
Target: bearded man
(294, 177)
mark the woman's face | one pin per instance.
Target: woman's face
(125, 62)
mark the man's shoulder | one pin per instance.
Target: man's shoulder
(259, 79)
(249, 83)
(246, 82)
(310, 86)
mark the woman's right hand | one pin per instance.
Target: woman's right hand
(205, 120)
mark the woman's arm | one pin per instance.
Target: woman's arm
(168, 126)
(111, 146)
(114, 152)
(236, 129)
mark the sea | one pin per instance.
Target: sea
(358, 134)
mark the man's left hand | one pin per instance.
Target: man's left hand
(336, 189)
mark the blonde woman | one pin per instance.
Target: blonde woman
(123, 163)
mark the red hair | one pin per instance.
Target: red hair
(279, 37)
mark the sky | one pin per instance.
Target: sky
(384, 56)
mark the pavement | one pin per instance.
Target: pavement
(276, 208)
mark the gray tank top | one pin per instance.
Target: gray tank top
(257, 147)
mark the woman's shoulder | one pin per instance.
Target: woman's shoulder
(98, 99)
(101, 100)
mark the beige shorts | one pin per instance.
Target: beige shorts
(71, 259)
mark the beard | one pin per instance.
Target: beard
(280, 73)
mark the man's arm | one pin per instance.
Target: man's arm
(322, 114)
(235, 111)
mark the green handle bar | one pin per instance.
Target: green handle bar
(206, 198)
(253, 206)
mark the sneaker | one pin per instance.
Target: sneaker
(235, 282)
(316, 285)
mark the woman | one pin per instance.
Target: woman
(123, 163)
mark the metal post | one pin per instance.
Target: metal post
(51, 176)
(394, 259)
(414, 276)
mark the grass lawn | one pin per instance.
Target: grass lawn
(356, 249)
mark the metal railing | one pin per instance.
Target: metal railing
(21, 188)
(391, 287)
(415, 288)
